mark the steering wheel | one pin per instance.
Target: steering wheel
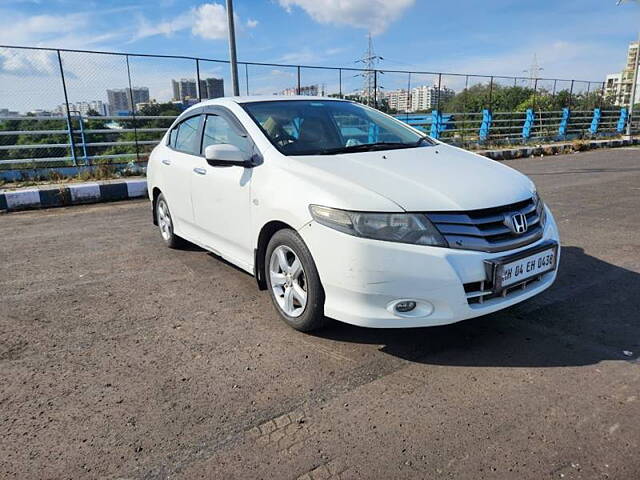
(282, 138)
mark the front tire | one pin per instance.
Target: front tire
(165, 223)
(293, 282)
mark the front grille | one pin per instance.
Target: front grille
(486, 230)
(479, 292)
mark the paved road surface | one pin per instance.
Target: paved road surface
(122, 359)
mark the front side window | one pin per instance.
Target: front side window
(219, 130)
(187, 137)
(325, 127)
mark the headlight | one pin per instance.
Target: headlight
(540, 210)
(390, 227)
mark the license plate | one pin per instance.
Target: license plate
(511, 272)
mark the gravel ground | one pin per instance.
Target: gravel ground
(122, 359)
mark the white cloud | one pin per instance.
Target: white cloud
(22, 62)
(32, 30)
(61, 31)
(166, 28)
(301, 56)
(560, 59)
(373, 15)
(210, 21)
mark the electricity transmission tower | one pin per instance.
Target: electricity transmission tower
(370, 85)
(534, 71)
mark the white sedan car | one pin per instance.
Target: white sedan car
(342, 211)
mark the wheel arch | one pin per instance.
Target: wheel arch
(266, 232)
(155, 194)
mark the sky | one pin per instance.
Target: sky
(572, 39)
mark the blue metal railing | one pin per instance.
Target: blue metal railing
(531, 125)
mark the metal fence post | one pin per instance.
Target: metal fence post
(83, 138)
(246, 76)
(375, 88)
(340, 82)
(298, 88)
(439, 91)
(571, 94)
(464, 105)
(490, 106)
(436, 121)
(198, 80)
(595, 121)
(66, 103)
(485, 127)
(622, 120)
(564, 123)
(408, 97)
(133, 111)
(528, 124)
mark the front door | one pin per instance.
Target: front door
(221, 195)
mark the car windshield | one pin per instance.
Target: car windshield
(327, 127)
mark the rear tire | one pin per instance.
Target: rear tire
(293, 282)
(165, 223)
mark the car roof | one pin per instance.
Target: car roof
(265, 98)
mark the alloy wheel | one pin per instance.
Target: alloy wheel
(164, 220)
(288, 281)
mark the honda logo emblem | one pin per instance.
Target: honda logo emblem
(517, 223)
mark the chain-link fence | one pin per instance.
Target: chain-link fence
(70, 108)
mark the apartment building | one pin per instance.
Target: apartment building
(618, 86)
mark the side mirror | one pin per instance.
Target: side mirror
(225, 155)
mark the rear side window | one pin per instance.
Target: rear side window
(186, 137)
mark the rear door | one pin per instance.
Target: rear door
(177, 170)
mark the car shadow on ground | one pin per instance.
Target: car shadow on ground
(589, 315)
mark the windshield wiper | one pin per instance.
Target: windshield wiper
(369, 147)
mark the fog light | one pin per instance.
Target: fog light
(405, 306)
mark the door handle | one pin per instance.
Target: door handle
(166, 162)
(200, 171)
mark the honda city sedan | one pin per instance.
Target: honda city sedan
(341, 211)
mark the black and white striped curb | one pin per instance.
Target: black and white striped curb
(71, 194)
(556, 148)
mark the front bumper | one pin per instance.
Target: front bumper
(362, 277)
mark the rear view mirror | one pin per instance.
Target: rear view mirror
(225, 154)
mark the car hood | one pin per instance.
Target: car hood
(430, 178)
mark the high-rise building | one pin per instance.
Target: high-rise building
(120, 99)
(83, 108)
(308, 90)
(184, 89)
(418, 99)
(140, 95)
(398, 100)
(5, 112)
(212, 87)
(618, 86)
(428, 98)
